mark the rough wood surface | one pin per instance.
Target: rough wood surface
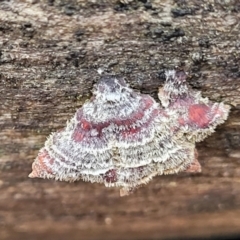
(49, 55)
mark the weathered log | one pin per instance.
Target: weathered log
(49, 56)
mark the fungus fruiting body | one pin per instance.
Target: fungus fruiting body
(123, 138)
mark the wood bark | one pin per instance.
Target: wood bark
(50, 52)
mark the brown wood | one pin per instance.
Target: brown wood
(49, 55)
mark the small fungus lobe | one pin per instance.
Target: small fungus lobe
(123, 138)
